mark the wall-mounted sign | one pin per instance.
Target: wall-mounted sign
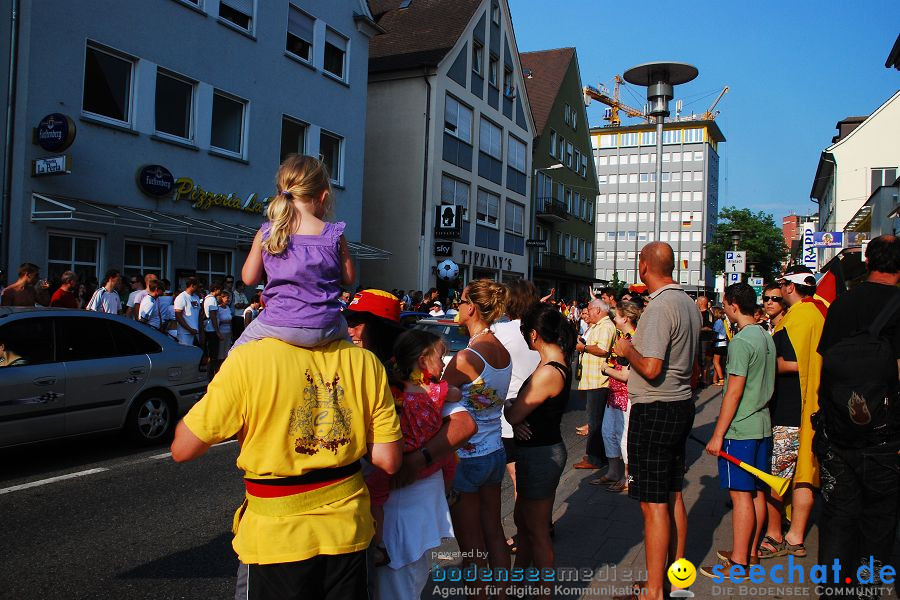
(55, 132)
(810, 257)
(443, 248)
(155, 180)
(185, 189)
(51, 165)
(482, 259)
(539, 244)
(447, 221)
(828, 239)
(856, 238)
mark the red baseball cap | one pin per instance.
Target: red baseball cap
(377, 302)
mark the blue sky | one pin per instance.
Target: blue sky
(794, 69)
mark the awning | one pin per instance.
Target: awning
(54, 209)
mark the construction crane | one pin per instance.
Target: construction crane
(709, 115)
(612, 101)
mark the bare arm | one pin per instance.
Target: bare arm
(729, 408)
(788, 366)
(179, 316)
(544, 383)
(456, 431)
(253, 270)
(549, 296)
(617, 374)
(648, 368)
(348, 269)
(387, 456)
(187, 446)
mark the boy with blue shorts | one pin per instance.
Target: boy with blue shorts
(744, 427)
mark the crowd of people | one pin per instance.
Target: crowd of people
(359, 446)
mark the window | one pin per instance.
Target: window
(33, 339)
(672, 136)
(697, 196)
(568, 245)
(237, 12)
(584, 166)
(601, 236)
(614, 179)
(601, 217)
(574, 120)
(213, 265)
(300, 34)
(581, 248)
(648, 138)
(602, 161)
(72, 253)
(632, 159)
(330, 147)
(666, 177)
(676, 157)
(613, 198)
(458, 119)
(621, 217)
(590, 211)
(693, 135)
(664, 236)
(645, 177)
(632, 177)
(107, 85)
(508, 89)
(577, 163)
(698, 156)
(642, 217)
(568, 201)
(559, 244)
(676, 176)
(335, 54)
(695, 257)
(664, 217)
(493, 67)
(601, 199)
(629, 139)
(632, 196)
(589, 252)
(613, 160)
(695, 236)
(516, 158)
(552, 143)
(84, 339)
(645, 159)
(569, 153)
(632, 217)
(601, 179)
(697, 215)
(174, 105)
(880, 177)
(515, 218)
(293, 137)
(676, 196)
(608, 140)
(666, 157)
(227, 123)
(490, 139)
(142, 258)
(643, 196)
(488, 208)
(477, 57)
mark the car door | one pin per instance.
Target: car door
(32, 389)
(102, 372)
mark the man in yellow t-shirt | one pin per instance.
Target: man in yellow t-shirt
(303, 418)
(593, 349)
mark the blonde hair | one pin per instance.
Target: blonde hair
(717, 312)
(630, 311)
(489, 298)
(302, 178)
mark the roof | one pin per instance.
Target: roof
(893, 59)
(547, 71)
(714, 131)
(420, 34)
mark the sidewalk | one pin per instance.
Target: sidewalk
(603, 531)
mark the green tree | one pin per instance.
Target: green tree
(760, 237)
(617, 284)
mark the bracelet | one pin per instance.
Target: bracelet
(427, 455)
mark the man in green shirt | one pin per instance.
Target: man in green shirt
(744, 428)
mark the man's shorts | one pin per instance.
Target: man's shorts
(657, 434)
(330, 577)
(755, 453)
(478, 471)
(785, 446)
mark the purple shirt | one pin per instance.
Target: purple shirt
(303, 286)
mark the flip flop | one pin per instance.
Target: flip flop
(602, 481)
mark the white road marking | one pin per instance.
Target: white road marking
(41, 482)
(159, 456)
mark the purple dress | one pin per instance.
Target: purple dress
(302, 295)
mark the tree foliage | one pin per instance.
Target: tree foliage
(760, 237)
(618, 285)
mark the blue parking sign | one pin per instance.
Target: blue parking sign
(734, 278)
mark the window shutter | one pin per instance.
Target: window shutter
(242, 6)
(335, 39)
(301, 25)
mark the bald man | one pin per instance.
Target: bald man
(662, 413)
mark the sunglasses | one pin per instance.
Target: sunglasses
(772, 299)
(465, 301)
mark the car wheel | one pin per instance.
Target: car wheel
(150, 419)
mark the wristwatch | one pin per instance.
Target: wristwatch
(427, 455)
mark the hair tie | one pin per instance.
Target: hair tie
(286, 193)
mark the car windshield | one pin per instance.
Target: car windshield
(455, 337)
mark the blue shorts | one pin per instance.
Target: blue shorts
(474, 473)
(756, 453)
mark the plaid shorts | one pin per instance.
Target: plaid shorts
(785, 446)
(657, 434)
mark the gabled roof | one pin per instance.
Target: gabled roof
(849, 136)
(893, 59)
(420, 34)
(547, 71)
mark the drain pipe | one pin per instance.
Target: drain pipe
(8, 148)
(423, 251)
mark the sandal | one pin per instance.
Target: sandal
(512, 545)
(775, 549)
(602, 481)
(798, 550)
(618, 487)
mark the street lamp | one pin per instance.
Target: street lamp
(536, 197)
(659, 79)
(735, 238)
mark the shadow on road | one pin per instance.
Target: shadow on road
(214, 559)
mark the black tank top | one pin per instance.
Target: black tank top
(545, 419)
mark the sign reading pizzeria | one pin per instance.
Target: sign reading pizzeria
(201, 199)
(55, 132)
(155, 180)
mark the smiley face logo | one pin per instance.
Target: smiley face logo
(682, 573)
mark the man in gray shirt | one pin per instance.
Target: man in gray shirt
(662, 414)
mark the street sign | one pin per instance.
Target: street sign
(756, 281)
(734, 278)
(735, 261)
(539, 244)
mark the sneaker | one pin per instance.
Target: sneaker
(725, 565)
(726, 555)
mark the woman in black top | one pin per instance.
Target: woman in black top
(535, 416)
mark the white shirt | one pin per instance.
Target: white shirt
(524, 362)
(189, 305)
(135, 298)
(149, 311)
(237, 298)
(210, 305)
(252, 312)
(105, 302)
(166, 308)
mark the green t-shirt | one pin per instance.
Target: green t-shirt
(751, 354)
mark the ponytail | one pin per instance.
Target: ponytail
(302, 178)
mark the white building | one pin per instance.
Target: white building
(448, 124)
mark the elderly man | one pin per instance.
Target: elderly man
(593, 384)
(662, 413)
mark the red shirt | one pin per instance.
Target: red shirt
(63, 299)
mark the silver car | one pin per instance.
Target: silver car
(72, 372)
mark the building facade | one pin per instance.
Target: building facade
(448, 143)
(564, 187)
(172, 150)
(626, 174)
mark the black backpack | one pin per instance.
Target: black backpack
(858, 399)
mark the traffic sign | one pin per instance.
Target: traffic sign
(736, 261)
(734, 278)
(756, 281)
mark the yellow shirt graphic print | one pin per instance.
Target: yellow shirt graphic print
(322, 422)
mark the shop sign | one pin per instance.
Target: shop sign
(443, 248)
(810, 257)
(51, 165)
(201, 199)
(828, 239)
(483, 259)
(155, 180)
(855, 238)
(539, 244)
(55, 132)
(447, 221)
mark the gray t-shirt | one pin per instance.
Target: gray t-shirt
(669, 330)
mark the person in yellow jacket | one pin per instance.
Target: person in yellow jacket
(802, 325)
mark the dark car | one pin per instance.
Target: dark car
(79, 372)
(409, 318)
(455, 337)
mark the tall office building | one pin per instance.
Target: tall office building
(625, 158)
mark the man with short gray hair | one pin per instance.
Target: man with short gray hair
(64, 297)
(594, 385)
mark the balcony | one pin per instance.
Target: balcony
(547, 261)
(550, 210)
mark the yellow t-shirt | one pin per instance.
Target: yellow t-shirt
(295, 410)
